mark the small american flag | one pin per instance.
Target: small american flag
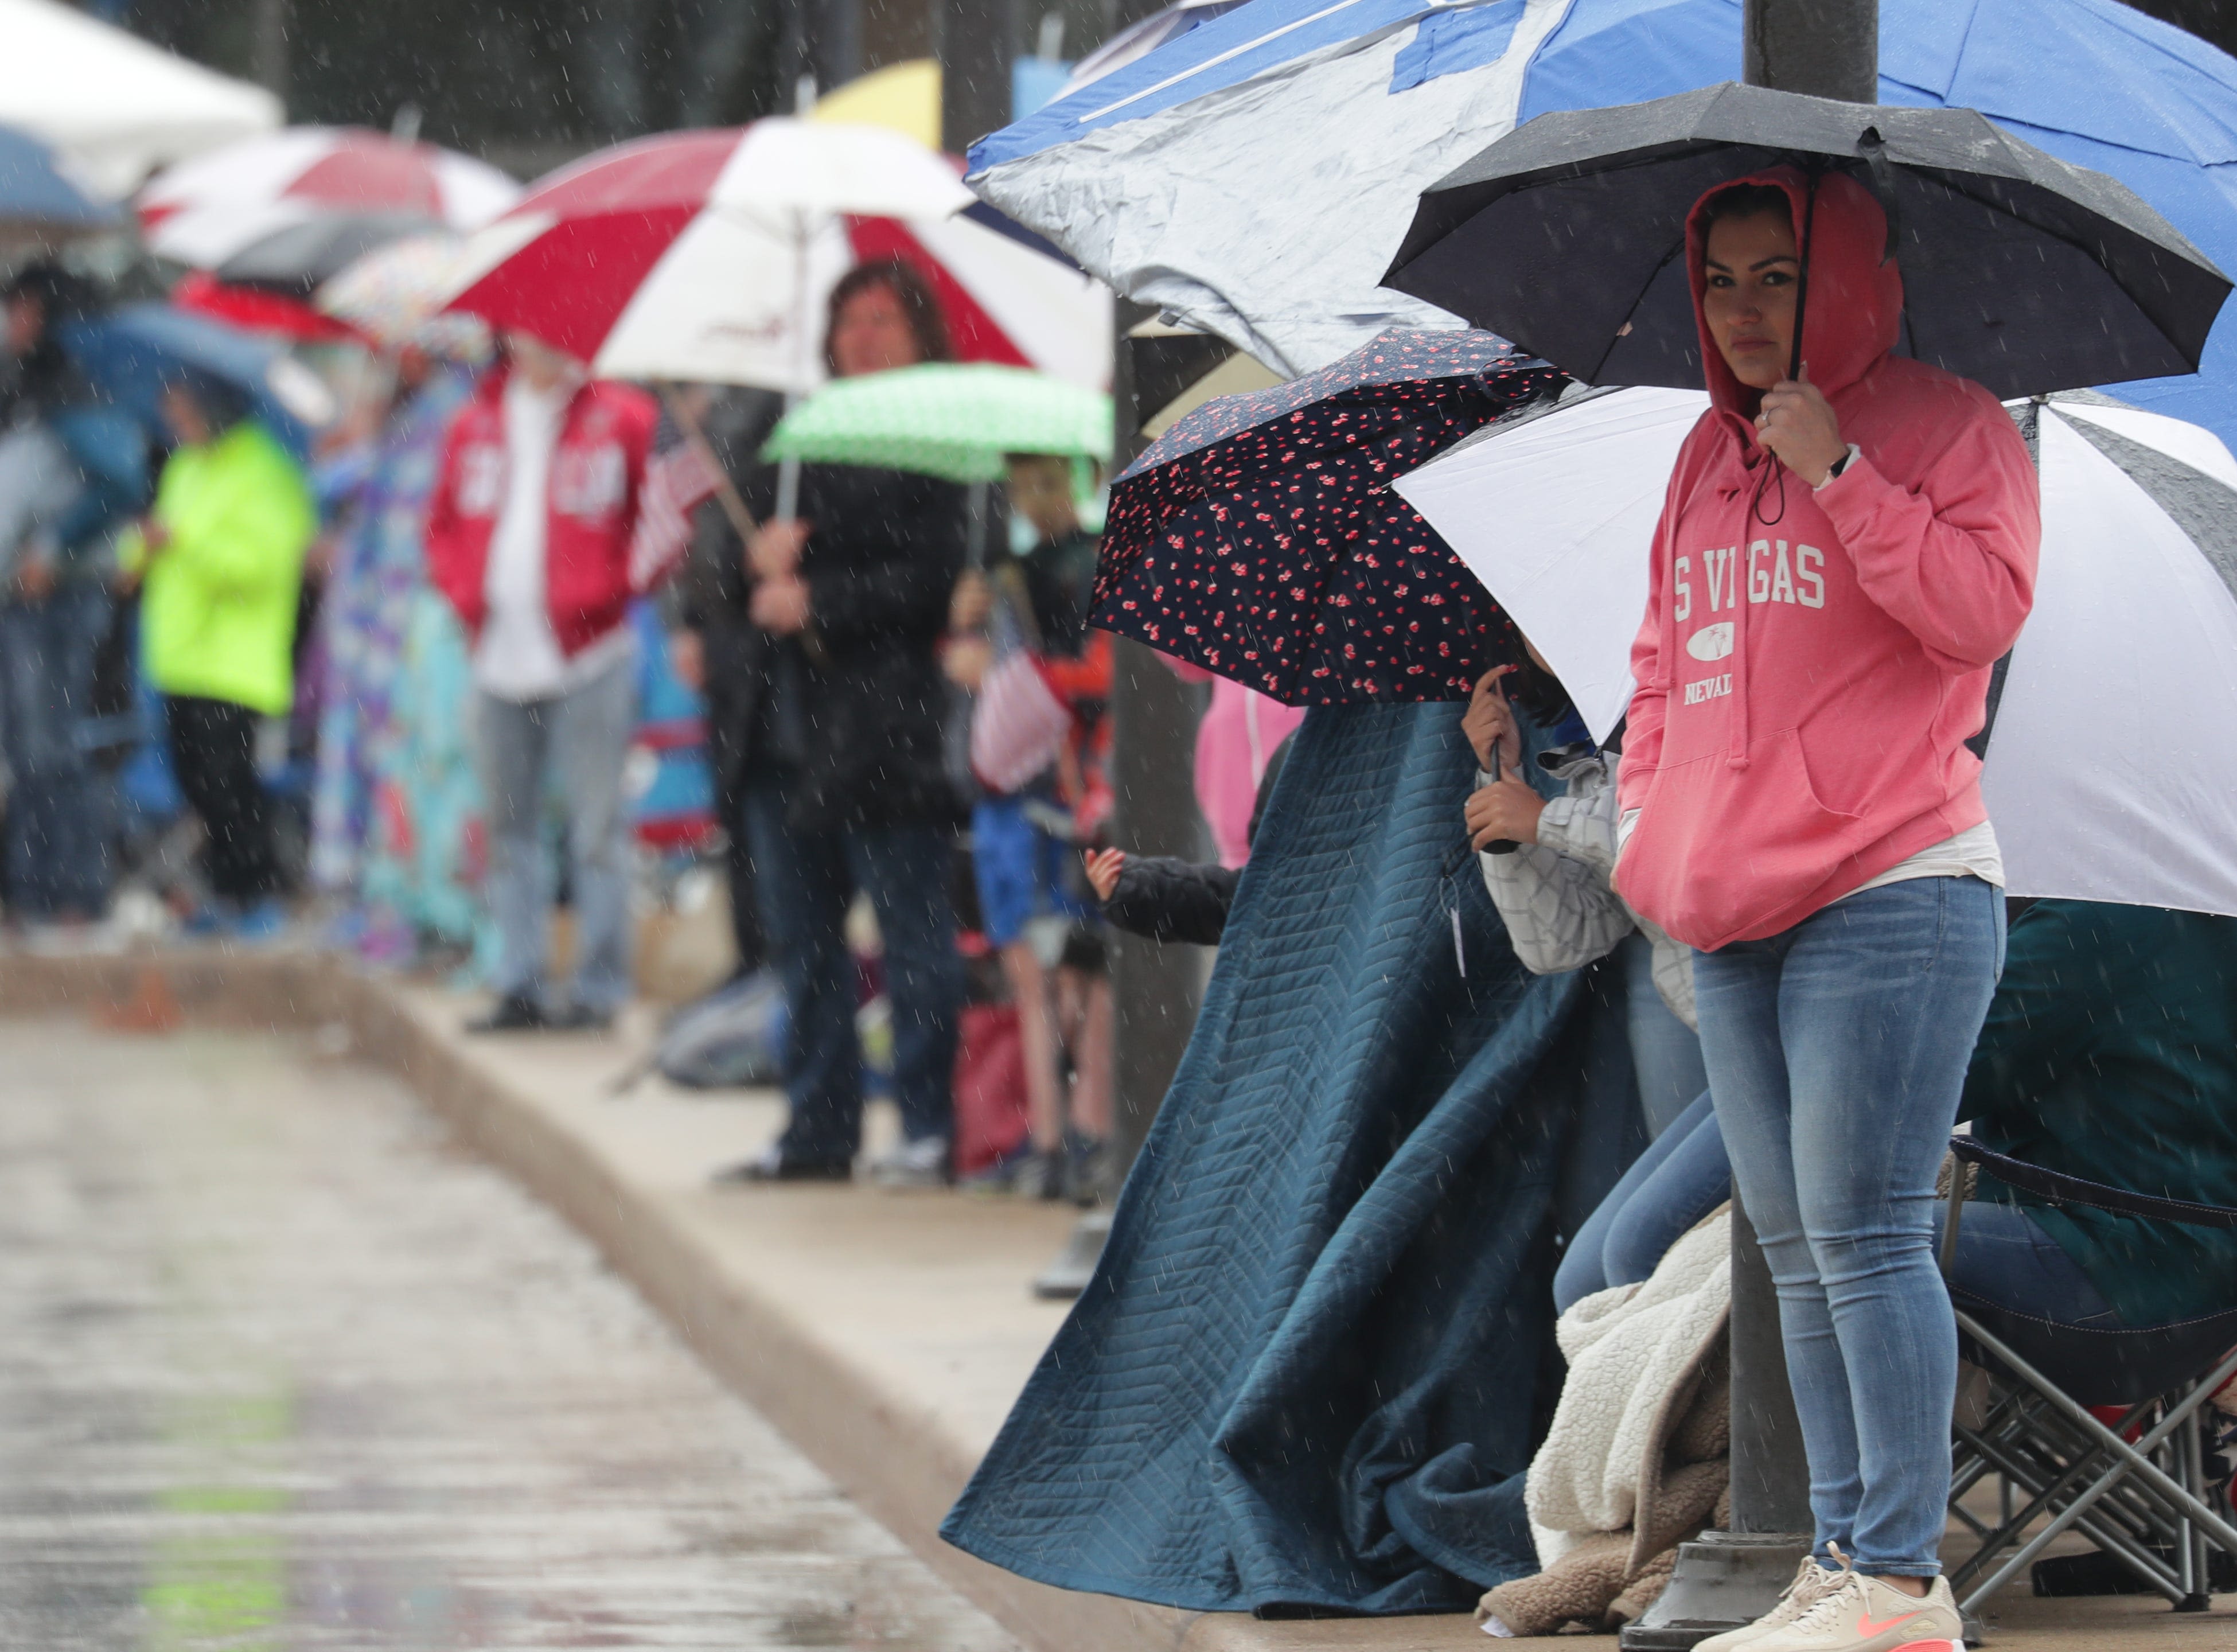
(679, 477)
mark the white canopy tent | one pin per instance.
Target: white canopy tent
(113, 106)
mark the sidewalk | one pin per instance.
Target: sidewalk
(885, 1333)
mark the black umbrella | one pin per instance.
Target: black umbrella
(297, 258)
(2019, 271)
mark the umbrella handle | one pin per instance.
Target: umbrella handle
(1499, 845)
(787, 488)
(1802, 279)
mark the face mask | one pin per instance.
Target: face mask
(1023, 536)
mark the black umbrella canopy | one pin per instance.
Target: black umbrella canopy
(296, 259)
(2020, 271)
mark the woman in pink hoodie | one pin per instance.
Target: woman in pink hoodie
(1842, 556)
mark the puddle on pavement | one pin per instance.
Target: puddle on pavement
(283, 1373)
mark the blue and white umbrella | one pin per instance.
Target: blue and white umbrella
(130, 354)
(1253, 176)
(36, 197)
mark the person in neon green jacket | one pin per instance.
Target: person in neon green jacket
(220, 561)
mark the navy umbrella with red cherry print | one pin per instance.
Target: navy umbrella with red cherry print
(1260, 540)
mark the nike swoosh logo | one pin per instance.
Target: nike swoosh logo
(1866, 1626)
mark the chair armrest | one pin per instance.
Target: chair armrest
(2091, 1195)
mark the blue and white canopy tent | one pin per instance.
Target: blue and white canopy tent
(1252, 177)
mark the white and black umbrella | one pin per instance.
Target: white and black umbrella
(2020, 271)
(2111, 759)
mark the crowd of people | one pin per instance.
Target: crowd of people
(395, 681)
(1796, 870)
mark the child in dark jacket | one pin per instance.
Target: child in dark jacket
(1164, 898)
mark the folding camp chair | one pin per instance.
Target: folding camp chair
(2138, 1488)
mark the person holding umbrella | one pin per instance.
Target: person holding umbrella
(845, 785)
(1848, 545)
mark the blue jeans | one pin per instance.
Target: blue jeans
(1836, 1052)
(60, 806)
(1664, 1051)
(2004, 1258)
(570, 748)
(1671, 1185)
(804, 881)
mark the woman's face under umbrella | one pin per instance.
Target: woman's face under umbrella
(1754, 271)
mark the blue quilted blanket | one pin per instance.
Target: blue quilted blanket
(1309, 1373)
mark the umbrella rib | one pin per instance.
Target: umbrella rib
(1638, 299)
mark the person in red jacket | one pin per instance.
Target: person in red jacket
(1845, 552)
(528, 537)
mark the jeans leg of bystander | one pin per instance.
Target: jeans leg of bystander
(802, 881)
(1836, 1052)
(509, 737)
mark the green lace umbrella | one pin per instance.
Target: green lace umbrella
(946, 421)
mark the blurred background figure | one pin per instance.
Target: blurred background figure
(1234, 744)
(1034, 904)
(396, 801)
(528, 537)
(68, 474)
(220, 564)
(845, 785)
(716, 647)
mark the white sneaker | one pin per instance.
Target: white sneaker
(1861, 1614)
(922, 1163)
(1810, 1583)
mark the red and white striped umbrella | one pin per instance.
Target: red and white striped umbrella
(203, 211)
(707, 256)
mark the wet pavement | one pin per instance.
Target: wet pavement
(281, 1368)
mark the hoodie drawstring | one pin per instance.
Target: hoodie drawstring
(1742, 598)
(1736, 756)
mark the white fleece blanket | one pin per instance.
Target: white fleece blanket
(1627, 1348)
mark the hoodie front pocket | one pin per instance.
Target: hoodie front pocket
(1720, 849)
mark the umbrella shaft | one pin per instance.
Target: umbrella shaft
(1824, 48)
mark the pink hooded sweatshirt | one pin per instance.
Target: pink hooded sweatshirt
(1806, 687)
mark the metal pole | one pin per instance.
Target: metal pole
(1155, 986)
(978, 40)
(1826, 48)
(270, 22)
(1723, 1579)
(1770, 1473)
(1152, 747)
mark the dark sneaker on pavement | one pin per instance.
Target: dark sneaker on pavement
(1087, 1169)
(1001, 1176)
(514, 1013)
(1040, 1177)
(771, 1165)
(582, 1018)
